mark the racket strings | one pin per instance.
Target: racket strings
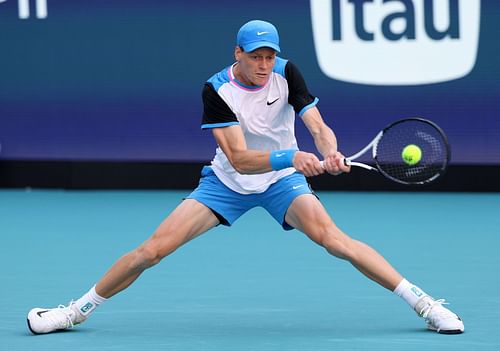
(427, 137)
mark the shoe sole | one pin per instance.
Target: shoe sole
(31, 329)
(53, 331)
(446, 331)
(450, 332)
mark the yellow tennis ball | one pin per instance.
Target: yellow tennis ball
(411, 154)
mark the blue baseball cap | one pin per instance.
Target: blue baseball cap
(258, 34)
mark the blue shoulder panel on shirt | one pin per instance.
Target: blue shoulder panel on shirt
(279, 66)
(219, 125)
(305, 108)
(219, 79)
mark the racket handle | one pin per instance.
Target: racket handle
(347, 162)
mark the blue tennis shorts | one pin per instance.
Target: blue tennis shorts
(229, 205)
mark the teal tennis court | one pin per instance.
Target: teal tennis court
(252, 286)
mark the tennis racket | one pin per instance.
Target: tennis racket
(387, 152)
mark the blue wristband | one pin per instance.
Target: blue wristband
(281, 159)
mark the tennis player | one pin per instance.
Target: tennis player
(250, 107)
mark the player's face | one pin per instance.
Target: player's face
(254, 68)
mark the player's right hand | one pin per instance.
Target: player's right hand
(307, 164)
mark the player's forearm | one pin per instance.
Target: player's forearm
(251, 162)
(325, 141)
(324, 137)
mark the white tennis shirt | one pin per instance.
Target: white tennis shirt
(266, 114)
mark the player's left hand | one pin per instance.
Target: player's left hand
(334, 164)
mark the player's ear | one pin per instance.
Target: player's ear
(237, 53)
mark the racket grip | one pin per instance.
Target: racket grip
(347, 162)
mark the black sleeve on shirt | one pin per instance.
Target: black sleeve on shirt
(215, 110)
(299, 97)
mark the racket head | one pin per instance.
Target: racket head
(428, 136)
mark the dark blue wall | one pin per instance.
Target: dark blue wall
(121, 79)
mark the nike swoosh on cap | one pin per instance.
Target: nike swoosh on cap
(262, 33)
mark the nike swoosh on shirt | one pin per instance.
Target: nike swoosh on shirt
(297, 186)
(272, 102)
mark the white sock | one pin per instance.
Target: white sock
(409, 292)
(88, 302)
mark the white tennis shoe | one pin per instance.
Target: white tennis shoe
(48, 320)
(437, 317)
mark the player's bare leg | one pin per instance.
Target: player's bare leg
(308, 215)
(189, 220)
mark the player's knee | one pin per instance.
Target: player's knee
(146, 256)
(337, 244)
(334, 246)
